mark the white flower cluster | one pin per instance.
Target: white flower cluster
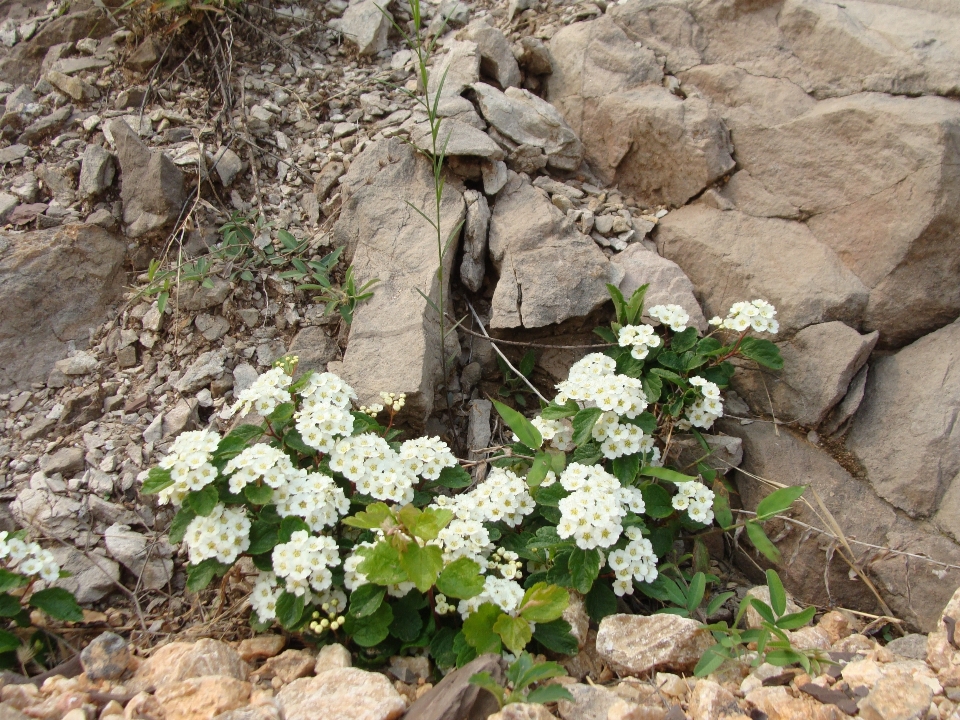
(559, 433)
(28, 558)
(697, 499)
(370, 463)
(506, 562)
(260, 462)
(758, 315)
(442, 607)
(305, 561)
(426, 457)
(635, 561)
(505, 594)
(394, 401)
(709, 408)
(223, 534)
(616, 438)
(189, 464)
(597, 503)
(264, 597)
(324, 414)
(315, 497)
(263, 396)
(331, 602)
(673, 316)
(640, 337)
(463, 538)
(595, 382)
(502, 497)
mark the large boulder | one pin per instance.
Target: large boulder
(549, 271)
(55, 286)
(731, 256)
(394, 339)
(151, 186)
(905, 432)
(812, 569)
(366, 23)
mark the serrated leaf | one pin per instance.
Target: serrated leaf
(478, 629)
(203, 573)
(9, 605)
(264, 537)
(407, 621)
(558, 412)
(684, 340)
(11, 580)
(657, 501)
(600, 602)
(258, 494)
(371, 518)
(381, 564)
(366, 600)
(461, 579)
(583, 423)
(778, 501)
(289, 525)
(294, 441)
(523, 428)
(454, 477)
(544, 603)
(157, 479)
(372, 629)
(556, 637)
(513, 631)
(421, 564)
(763, 352)
(289, 609)
(178, 527)
(441, 647)
(584, 568)
(202, 501)
(430, 522)
(485, 681)
(549, 694)
(626, 467)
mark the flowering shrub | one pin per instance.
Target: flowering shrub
(583, 499)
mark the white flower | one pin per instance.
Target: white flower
(640, 337)
(505, 594)
(223, 534)
(636, 561)
(758, 315)
(674, 316)
(304, 562)
(263, 396)
(189, 464)
(697, 499)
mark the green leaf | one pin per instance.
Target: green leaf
(370, 519)
(556, 637)
(301, 382)
(407, 622)
(662, 473)
(372, 629)
(454, 477)
(698, 584)
(366, 600)
(178, 528)
(669, 375)
(710, 346)
(721, 509)
(539, 469)
(441, 647)
(652, 387)
(670, 359)
(9, 605)
(761, 542)
(478, 629)
(524, 429)
(600, 602)
(202, 501)
(684, 340)
(657, 500)
(797, 620)
(294, 441)
(778, 596)
(514, 631)
(778, 501)
(711, 660)
(583, 423)
(264, 537)
(289, 609)
(289, 525)
(717, 601)
(634, 307)
(258, 494)
(549, 694)
(550, 496)
(783, 657)
(587, 454)
(544, 603)
(618, 303)
(58, 603)
(584, 568)
(557, 412)
(381, 564)
(11, 580)
(485, 680)
(626, 467)
(763, 610)
(422, 565)
(157, 479)
(430, 522)
(762, 351)
(203, 573)
(282, 414)
(461, 579)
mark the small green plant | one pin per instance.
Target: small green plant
(771, 640)
(686, 593)
(346, 297)
(26, 563)
(514, 388)
(521, 674)
(318, 271)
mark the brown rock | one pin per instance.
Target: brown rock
(145, 56)
(634, 644)
(332, 657)
(454, 698)
(184, 661)
(288, 666)
(106, 658)
(896, 699)
(202, 698)
(314, 348)
(590, 702)
(347, 693)
(522, 711)
(261, 647)
(711, 701)
(779, 704)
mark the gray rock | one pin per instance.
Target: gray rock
(590, 702)
(212, 327)
(327, 179)
(913, 646)
(528, 159)
(7, 205)
(55, 514)
(494, 176)
(474, 240)
(80, 363)
(558, 188)
(45, 126)
(818, 364)
(181, 418)
(20, 97)
(72, 86)
(12, 153)
(478, 428)
(228, 165)
(151, 186)
(366, 23)
(916, 470)
(456, 138)
(150, 562)
(107, 657)
(145, 56)
(459, 68)
(94, 575)
(96, 171)
(634, 644)
(194, 296)
(269, 351)
(455, 697)
(206, 368)
(528, 120)
(313, 347)
(846, 408)
(535, 57)
(154, 431)
(66, 461)
(55, 286)
(549, 272)
(496, 56)
(668, 283)
(393, 340)
(777, 260)
(244, 375)
(725, 452)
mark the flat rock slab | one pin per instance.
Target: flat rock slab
(347, 693)
(635, 644)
